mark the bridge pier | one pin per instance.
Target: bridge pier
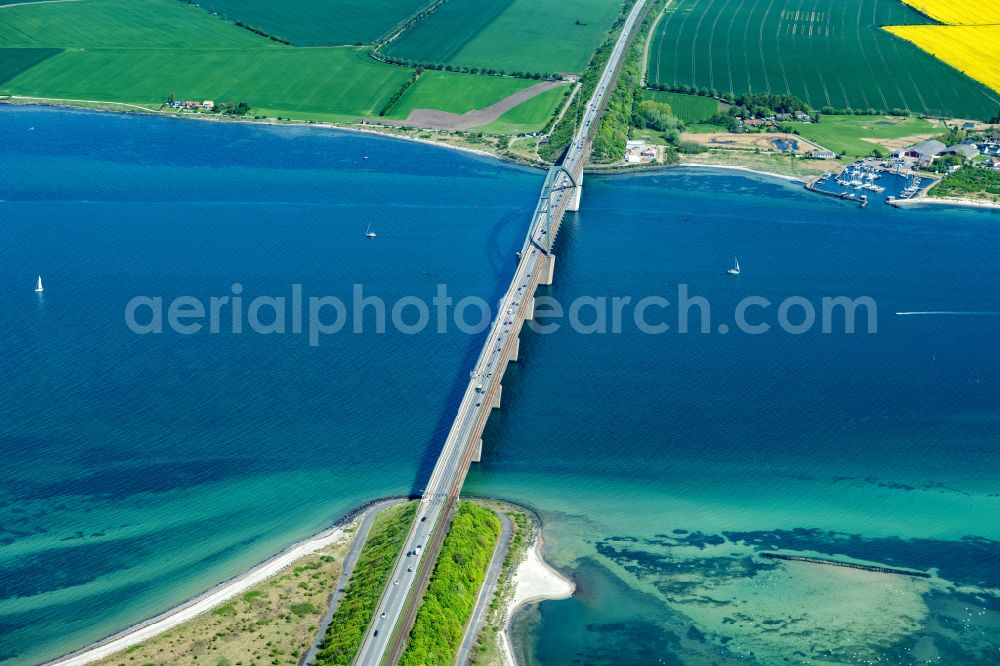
(574, 198)
(548, 271)
(477, 453)
(496, 397)
(515, 351)
(529, 312)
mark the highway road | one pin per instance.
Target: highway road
(397, 607)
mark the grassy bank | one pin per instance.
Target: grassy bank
(349, 623)
(451, 595)
(271, 623)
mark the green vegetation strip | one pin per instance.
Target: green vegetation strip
(371, 573)
(451, 595)
(969, 182)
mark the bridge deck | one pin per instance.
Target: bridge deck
(386, 637)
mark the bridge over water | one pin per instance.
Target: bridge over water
(561, 192)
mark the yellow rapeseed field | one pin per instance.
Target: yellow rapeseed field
(960, 12)
(971, 49)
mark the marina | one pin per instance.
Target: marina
(870, 180)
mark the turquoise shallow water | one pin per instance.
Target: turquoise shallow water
(140, 470)
(663, 464)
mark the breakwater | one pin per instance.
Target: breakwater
(849, 565)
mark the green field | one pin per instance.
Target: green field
(689, 108)
(142, 52)
(120, 23)
(456, 93)
(15, 61)
(334, 81)
(846, 134)
(826, 53)
(318, 22)
(530, 116)
(513, 35)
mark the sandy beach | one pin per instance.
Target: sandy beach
(534, 580)
(948, 201)
(791, 179)
(209, 600)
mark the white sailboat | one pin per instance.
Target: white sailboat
(735, 270)
(39, 289)
(370, 233)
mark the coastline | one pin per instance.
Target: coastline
(535, 580)
(947, 201)
(699, 165)
(387, 132)
(216, 595)
(136, 110)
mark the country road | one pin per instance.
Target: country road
(350, 560)
(487, 590)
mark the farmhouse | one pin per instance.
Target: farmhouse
(924, 152)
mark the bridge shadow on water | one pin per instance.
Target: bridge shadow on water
(502, 265)
(502, 262)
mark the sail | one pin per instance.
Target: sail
(39, 287)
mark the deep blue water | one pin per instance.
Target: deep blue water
(140, 470)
